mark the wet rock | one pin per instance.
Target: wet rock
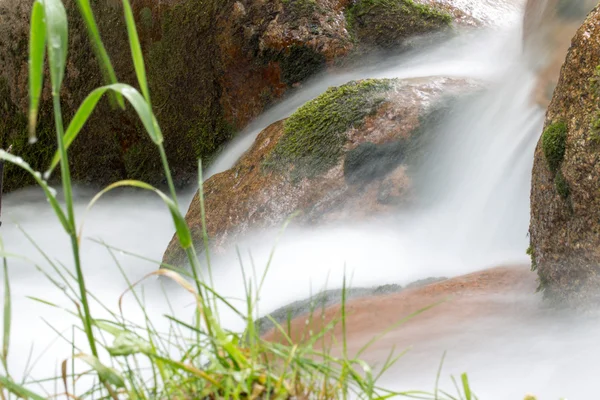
(212, 65)
(369, 161)
(297, 165)
(314, 306)
(565, 200)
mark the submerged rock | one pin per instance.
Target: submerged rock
(315, 162)
(565, 196)
(315, 306)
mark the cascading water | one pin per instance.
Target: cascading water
(478, 177)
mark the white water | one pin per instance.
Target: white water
(479, 184)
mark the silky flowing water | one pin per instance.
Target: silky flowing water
(476, 217)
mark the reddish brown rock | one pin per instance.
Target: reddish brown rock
(565, 196)
(488, 298)
(212, 65)
(255, 194)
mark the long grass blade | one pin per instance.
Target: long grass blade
(57, 34)
(19, 390)
(182, 230)
(105, 373)
(140, 105)
(103, 59)
(7, 313)
(37, 47)
(466, 386)
(136, 50)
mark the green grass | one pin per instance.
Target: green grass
(194, 359)
(554, 140)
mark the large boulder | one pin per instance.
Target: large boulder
(548, 27)
(345, 155)
(213, 65)
(565, 195)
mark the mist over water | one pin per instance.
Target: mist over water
(476, 216)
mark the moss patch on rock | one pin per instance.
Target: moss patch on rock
(531, 253)
(314, 135)
(561, 185)
(386, 23)
(554, 140)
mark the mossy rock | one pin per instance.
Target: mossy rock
(554, 140)
(314, 135)
(387, 23)
(185, 93)
(299, 63)
(301, 8)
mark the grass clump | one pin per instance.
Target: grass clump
(386, 23)
(554, 140)
(314, 135)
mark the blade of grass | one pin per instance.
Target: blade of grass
(88, 105)
(106, 67)
(7, 313)
(439, 373)
(466, 387)
(136, 50)
(37, 47)
(57, 36)
(19, 390)
(106, 373)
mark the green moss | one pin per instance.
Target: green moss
(146, 19)
(314, 135)
(594, 135)
(300, 62)
(531, 253)
(561, 185)
(387, 23)
(554, 141)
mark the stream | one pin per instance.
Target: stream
(478, 184)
